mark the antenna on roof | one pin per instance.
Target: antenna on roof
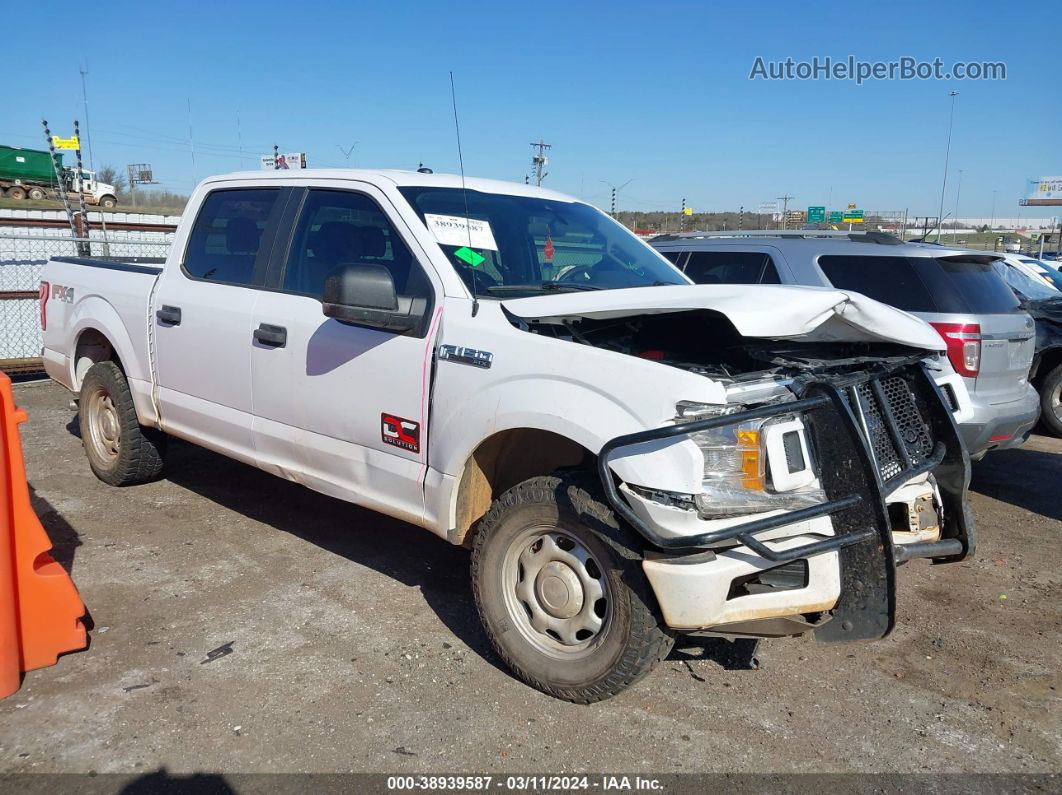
(464, 192)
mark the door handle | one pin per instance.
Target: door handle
(271, 336)
(170, 315)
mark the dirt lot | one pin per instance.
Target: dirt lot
(355, 645)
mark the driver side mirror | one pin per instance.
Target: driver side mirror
(364, 295)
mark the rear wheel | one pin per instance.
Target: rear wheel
(120, 451)
(560, 590)
(36, 194)
(1051, 401)
(16, 193)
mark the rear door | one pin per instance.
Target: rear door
(342, 408)
(203, 309)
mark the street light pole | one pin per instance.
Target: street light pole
(958, 187)
(947, 154)
(992, 223)
(615, 190)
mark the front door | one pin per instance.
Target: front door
(343, 408)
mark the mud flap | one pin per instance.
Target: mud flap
(866, 608)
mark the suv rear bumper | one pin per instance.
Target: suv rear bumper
(1000, 426)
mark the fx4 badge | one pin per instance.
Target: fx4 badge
(61, 293)
(399, 432)
(461, 355)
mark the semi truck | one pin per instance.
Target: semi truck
(29, 174)
(626, 454)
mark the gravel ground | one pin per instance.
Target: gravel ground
(355, 645)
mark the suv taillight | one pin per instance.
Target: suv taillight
(964, 346)
(43, 300)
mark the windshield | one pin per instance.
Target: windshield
(520, 245)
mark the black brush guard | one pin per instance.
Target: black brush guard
(864, 451)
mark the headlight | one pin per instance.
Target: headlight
(751, 466)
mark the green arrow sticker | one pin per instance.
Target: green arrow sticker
(469, 256)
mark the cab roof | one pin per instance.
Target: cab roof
(396, 177)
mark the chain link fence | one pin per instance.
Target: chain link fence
(22, 259)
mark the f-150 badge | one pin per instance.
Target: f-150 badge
(462, 355)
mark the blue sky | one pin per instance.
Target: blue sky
(657, 93)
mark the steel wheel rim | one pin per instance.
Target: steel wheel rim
(1056, 401)
(104, 428)
(556, 592)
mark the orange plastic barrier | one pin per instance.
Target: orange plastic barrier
(40, 610)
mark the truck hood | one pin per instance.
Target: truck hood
(814, 314)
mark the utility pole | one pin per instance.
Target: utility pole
(947, 154)
(785, 207)
(539, 160)
(992, 223)
(741, 217)
(84, 98)
(616, 190)
(191, 140)
(682, 216)
(276, 157)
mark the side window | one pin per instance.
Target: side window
(338, 228)
(731, 267)
(891, 280)
(227, 233)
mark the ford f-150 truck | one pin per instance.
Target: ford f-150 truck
(627, 455)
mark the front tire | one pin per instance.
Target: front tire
(561, 593)
(120, 451)
(1051, 401)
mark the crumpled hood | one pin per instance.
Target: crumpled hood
(815, 314)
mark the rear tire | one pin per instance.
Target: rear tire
(16, 193)
(561, 593)
(35, 194)
(120, 451)
(1051, 401)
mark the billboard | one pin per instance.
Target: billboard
(290, 160)
(1043, 192)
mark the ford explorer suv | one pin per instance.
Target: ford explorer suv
(990, 339)
(627, 455)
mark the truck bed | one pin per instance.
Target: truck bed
(91, 304)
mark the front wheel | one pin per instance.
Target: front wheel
(561, 593)
(1051, 401)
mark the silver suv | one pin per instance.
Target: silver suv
(990, 340)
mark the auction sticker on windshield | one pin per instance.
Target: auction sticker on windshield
(453, 230)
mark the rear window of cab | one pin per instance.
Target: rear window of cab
(923, 284)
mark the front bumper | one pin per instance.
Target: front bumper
(864, 452)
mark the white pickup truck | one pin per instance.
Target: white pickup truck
(627, 455)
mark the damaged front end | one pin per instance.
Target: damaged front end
(835, 457)
(869, 434)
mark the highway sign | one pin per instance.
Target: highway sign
(836, 216)
(816, 215)
(853, 217)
